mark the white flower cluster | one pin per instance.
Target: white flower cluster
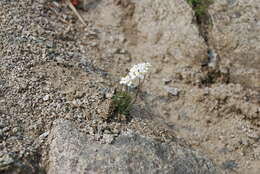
(137, 71)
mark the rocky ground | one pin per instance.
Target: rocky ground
(201, 100)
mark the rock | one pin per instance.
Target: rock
(169, 31)
(172, 91)
(230, 164)
(73, 152)
(46, 98)
(10, 164)
(44, 135)
(5, 161)
(235, 37)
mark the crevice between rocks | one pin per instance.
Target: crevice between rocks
(210, 66)
(201, 16)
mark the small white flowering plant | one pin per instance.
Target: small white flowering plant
(123, 100)
(137, 72)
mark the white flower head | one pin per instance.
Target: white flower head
(126, 81)
(138, 71)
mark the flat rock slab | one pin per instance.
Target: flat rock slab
(72, 152)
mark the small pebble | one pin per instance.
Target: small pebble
(172, 91)
(44, 135)
(46, 97)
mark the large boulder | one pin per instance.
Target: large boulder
(236, 36)
(72, 152)
(152, 29)
(165, 29)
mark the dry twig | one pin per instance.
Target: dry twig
(76, 12)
